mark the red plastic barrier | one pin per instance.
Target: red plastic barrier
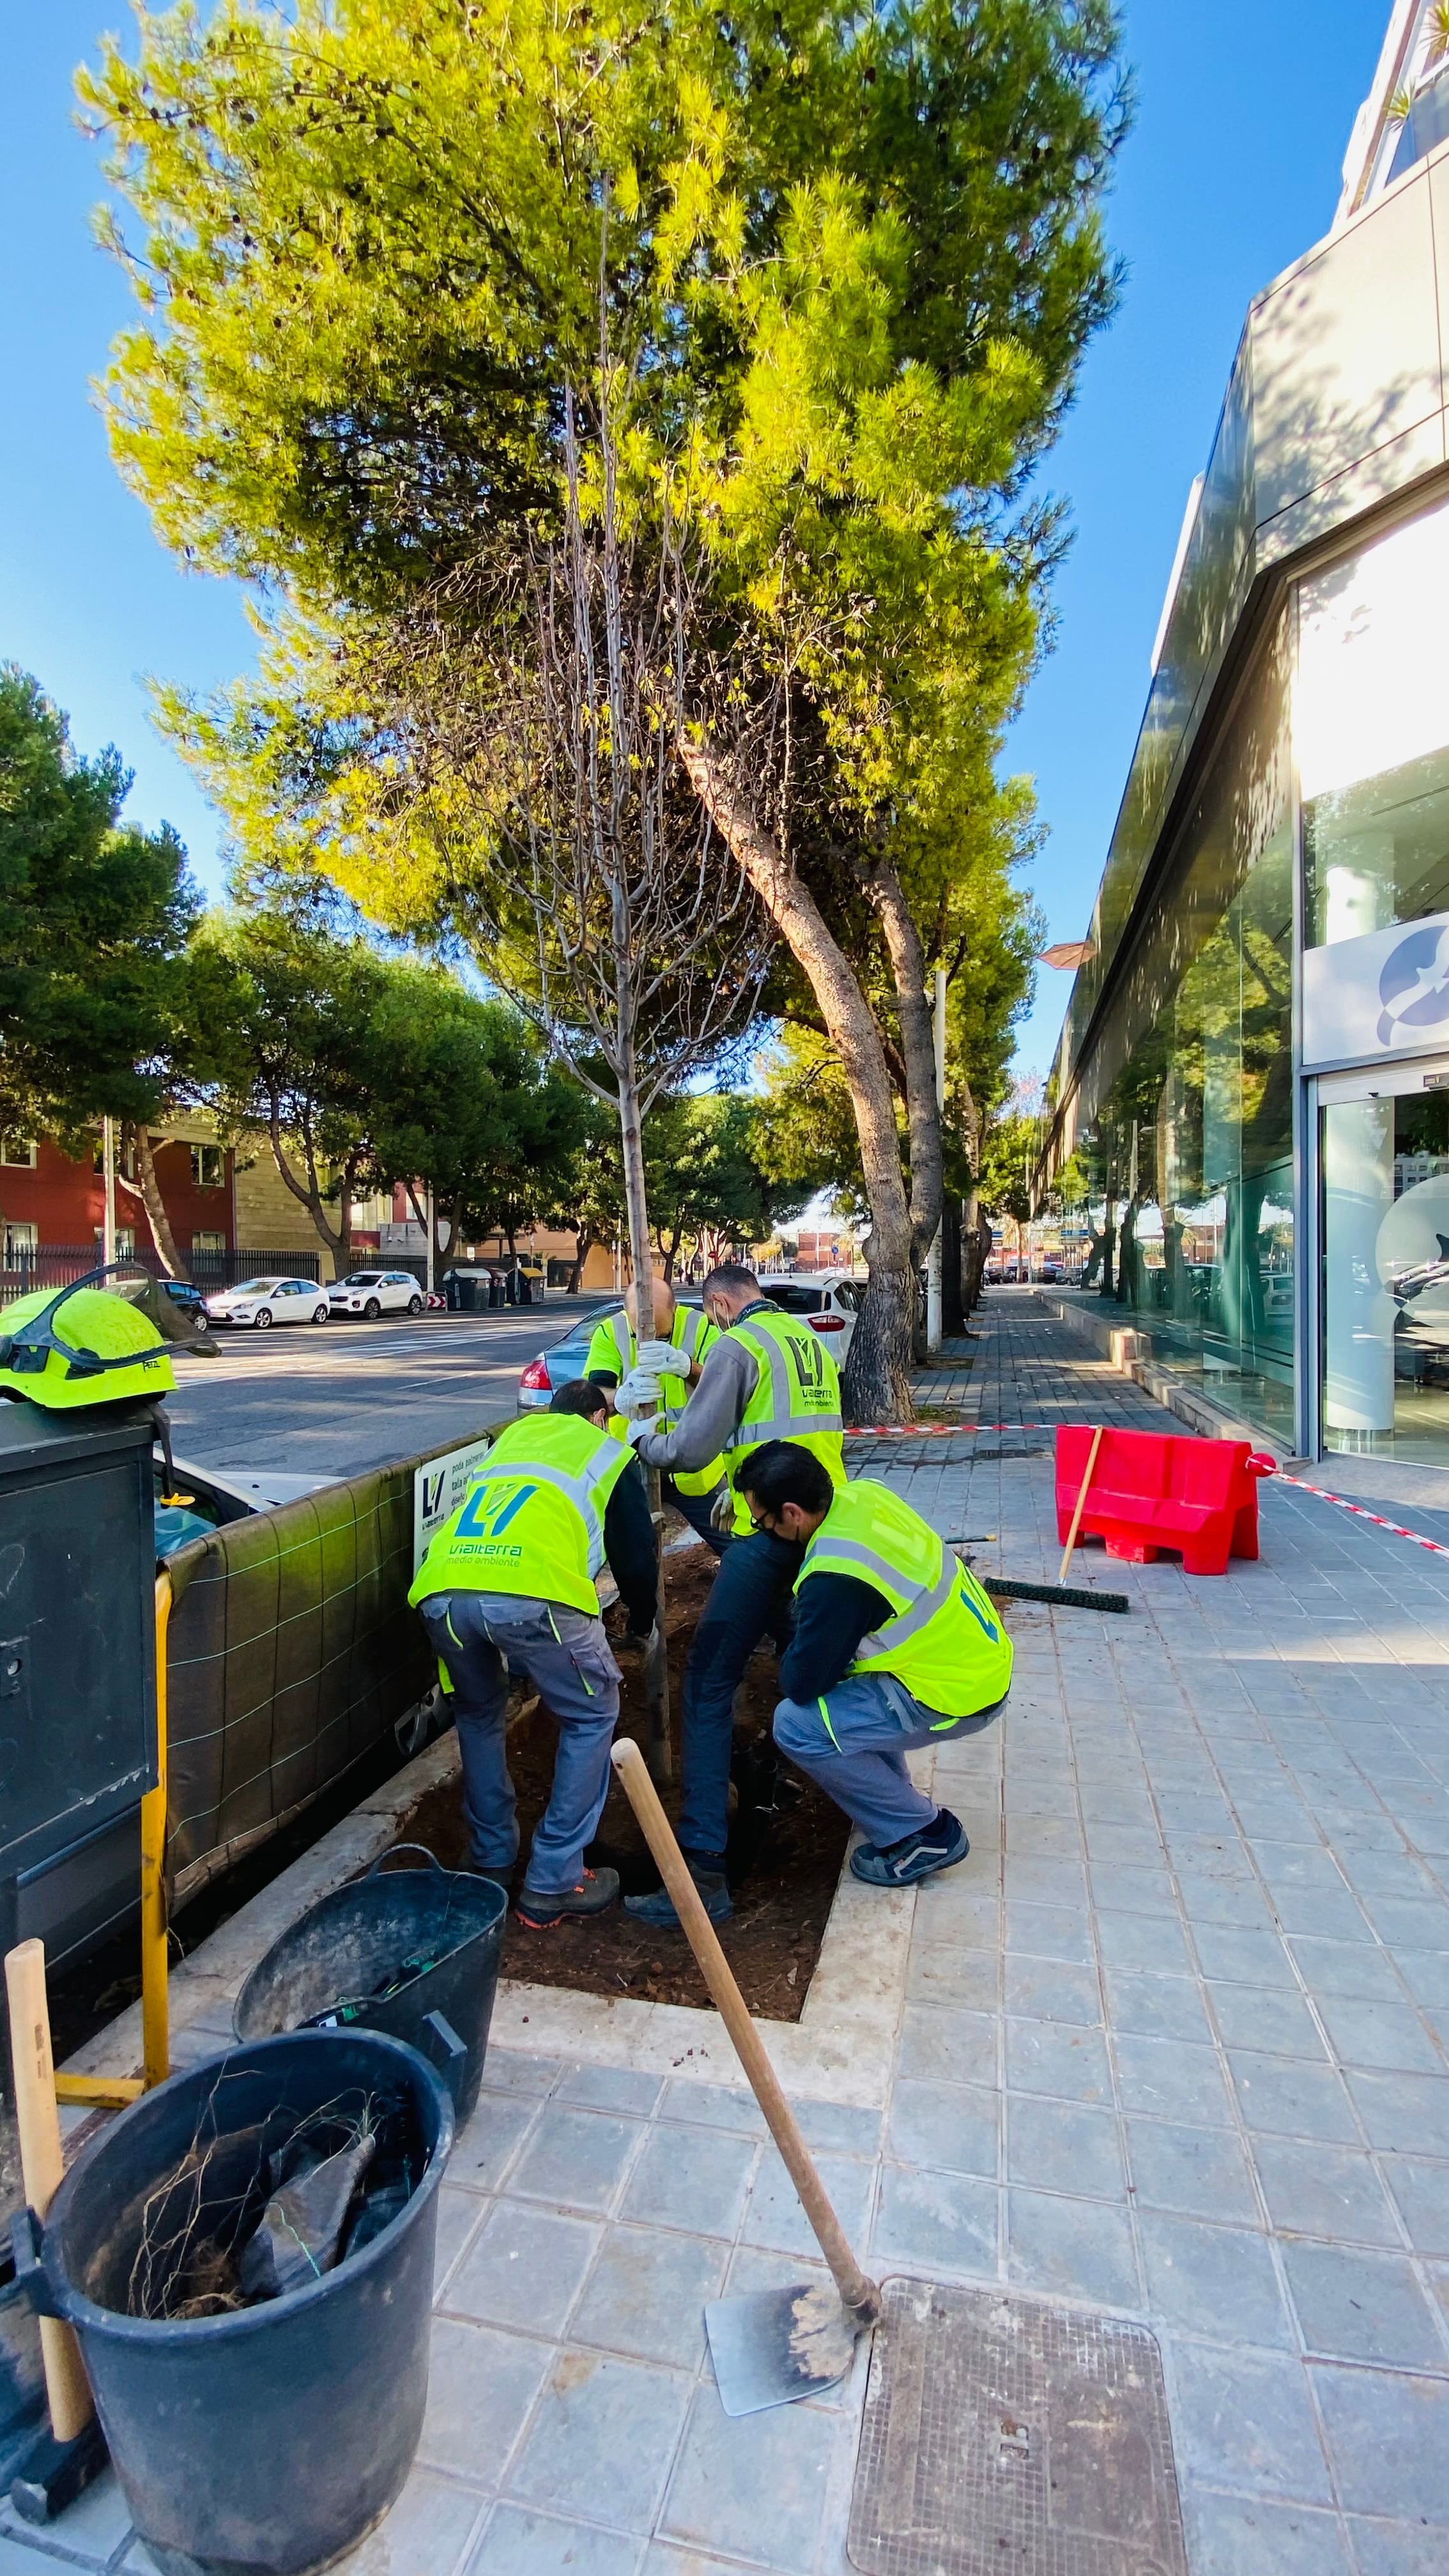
(1151, 1491)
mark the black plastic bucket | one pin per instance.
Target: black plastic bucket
(266, 2441)
(360, 1935)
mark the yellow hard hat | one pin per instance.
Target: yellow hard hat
(80, 1345)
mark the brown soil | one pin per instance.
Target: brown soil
(783, 1866)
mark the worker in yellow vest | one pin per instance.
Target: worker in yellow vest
(895, 1646)
(766, 1377)
(507, 1585)
(660, 1374)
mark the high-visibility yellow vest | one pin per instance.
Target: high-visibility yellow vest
(796, 1397)
(945, 1641)
(615, 1346)
(532, 1521)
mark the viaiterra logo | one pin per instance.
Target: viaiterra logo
(1414, 986)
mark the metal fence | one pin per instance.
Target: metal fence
(53, 1265)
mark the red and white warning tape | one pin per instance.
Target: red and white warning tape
(1361, 1512)
(934, 1430)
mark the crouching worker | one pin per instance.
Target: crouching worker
(895, 1645)
(511, 1575)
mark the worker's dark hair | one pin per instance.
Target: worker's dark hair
(579, 1396)
(732, 1275)
(780, 1472)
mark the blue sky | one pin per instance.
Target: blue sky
(1231, 172)
(1244, 112)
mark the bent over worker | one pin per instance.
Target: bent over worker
(511, 1575)
(895, 1646)
(767, 1377)
(682, 1338)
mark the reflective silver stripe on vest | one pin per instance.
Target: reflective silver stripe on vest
(888, 1578)
(694, 1325)
(623, 1337)
(578, 1490)
(783, 1423)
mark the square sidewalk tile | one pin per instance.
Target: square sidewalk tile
(1213, 2280)
(1142, 1941)
(1421, 2193)
(575, 2159)
(646, 2294)
(427, 2533)
(518, 2542)
(609, 2088)
(1201, 2173)
(1379, 2034)
(1051, 1990)
(950, 2126)
(1325, 2191)
(1156, 2007)
(1244, 2421)
(1388, 2437)
(1267, 2017)
(1289, 2097)
(1352, 1968)
(1226, 1951)
(1232, 2535)
(753, 2486)
(481, 2385)
(1356, 2306)
(1059, 2146)
(712, 2106)
(774, 2219)
(1057, 2058)
(928, 2220)
(1049, 1932)
(601, 2440)
(1171, 2079)
(524, 2268)
(1403, 2114)
(968, 1978)
(948, 2047)
(484, 2148)
(691, 2178)
(1077, 2249)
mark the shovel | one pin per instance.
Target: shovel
(776, 2345)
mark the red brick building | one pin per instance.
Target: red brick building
(50, 1199)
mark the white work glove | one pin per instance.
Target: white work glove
(639, 1388)
(661, 1359)
(637, 1427)
(722, 1510)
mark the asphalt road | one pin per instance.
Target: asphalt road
(333, 1399)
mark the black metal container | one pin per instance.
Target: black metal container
(269, 2440)
(357, 1937)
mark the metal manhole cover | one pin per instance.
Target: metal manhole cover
(1004, 2437)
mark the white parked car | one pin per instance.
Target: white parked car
(377, 1292)
(269, 1301)
(829, 1300)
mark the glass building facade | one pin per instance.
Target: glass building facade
(1249, 1115)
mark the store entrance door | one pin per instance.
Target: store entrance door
(1383, 1162)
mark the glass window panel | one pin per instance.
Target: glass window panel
(1385, 1214)
(1371, 732)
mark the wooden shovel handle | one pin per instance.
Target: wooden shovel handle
(1081, 1501)
(41, 2166)
(858, 2295)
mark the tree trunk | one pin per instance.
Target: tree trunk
(155, 1205)
(583, 1246)
(877, 1375)
(918, 1047)
(953, 1313)
(339, 1241)
(641, 1254)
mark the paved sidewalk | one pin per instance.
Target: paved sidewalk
(1171, 2043)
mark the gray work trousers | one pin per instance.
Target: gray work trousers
(565, 1655)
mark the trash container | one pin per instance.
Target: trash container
(264, 2440)
(364, 1937)
(495, 1288)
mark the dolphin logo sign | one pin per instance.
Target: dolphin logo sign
(1414, 985)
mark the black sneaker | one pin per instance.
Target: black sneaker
(658, 1910)
(541, 1908)
(938, 1845)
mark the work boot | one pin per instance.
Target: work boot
(542, 1908)
(916, 1856)
(658, 1910)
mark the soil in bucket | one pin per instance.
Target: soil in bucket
(783, 1868)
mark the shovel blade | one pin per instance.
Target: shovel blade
(778, 2345)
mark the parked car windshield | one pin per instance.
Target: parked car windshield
(254, 1288)
(364, 1279)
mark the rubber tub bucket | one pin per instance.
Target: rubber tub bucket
(268, 2440)
(360, 1936)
